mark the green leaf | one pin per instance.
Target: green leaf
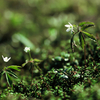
(36, 60)
(89, 35)
(85, 27)
(86, 23)
(1, 73)
(38, 68)
(11, 73)
(24, 64)
(58, 58)
(14, 67)
(9, 80)
(81, 38)
(21, 38)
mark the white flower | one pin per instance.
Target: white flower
(66, 59)
(27, 49)
(64, 76)
(55, 72)
(6, 59)
(70, 27)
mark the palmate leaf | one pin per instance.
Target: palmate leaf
(14, 67)
(1, 73)
(81, 38)
(8, 78)
(11, 73)
(89, 35)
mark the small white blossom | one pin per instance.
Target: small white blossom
(55, 72)
(64, 76)
(6, 59)
(70, 27)
(27, 49)
(66, 59)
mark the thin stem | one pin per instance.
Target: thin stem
(84, 50)
(72, 42)
(31, 68)
(85, 55)
(29, 55)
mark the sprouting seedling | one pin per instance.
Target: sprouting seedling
(33, 62)
(8, 72)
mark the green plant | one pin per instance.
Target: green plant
(80, 30)
(33, 62)
(59, 76)
(8, 71)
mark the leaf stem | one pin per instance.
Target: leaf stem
(84, 50)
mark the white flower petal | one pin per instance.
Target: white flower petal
(67, 25)
(2, 56)
(68, 30)
(9, 58)
(64, 76)
(70, 24)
